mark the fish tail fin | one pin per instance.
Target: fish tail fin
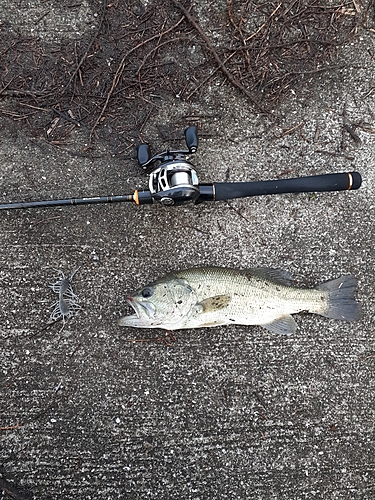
(340, 300)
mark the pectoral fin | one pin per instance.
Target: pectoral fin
(212, 304)
(283, 326)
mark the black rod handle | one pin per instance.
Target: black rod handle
(316, 183)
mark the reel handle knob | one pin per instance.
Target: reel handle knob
(191, 138)
(143, 154)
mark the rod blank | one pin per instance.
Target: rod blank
(68, 201)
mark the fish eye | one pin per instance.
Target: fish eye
(146, 292)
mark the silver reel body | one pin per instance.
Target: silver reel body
(174, 183)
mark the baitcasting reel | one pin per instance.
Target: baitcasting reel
(175, 180)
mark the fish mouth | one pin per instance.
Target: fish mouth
(144, 313)
(140, 308)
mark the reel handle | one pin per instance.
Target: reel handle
(146, 160)
(191, 138)
(143, 154)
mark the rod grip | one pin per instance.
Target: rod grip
(316, 183)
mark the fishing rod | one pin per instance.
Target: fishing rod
(173, 180)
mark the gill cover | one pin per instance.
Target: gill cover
(162, 304)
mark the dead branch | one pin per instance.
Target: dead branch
(88, 48)
(221, 65)
(121, 68)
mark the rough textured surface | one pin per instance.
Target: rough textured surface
(50, 21)
(95, 410)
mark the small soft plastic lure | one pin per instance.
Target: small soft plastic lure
(67, 305)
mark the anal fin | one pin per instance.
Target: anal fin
(283, 326)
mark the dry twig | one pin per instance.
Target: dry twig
(121, 68)
(220, 63)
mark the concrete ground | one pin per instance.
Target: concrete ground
(96, 411)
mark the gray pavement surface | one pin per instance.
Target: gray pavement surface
(96, 411)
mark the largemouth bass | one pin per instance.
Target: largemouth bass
(211, 296)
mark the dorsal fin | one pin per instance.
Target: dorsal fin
(279, 276)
